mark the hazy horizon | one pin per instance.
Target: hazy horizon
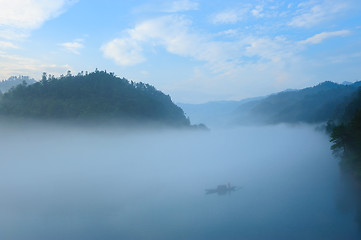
(194, 50)
(88, 155)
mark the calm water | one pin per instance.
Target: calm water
(68, 183)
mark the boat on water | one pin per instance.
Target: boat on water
(222, 189)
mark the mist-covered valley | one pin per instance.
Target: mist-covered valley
(181, 119)
(64, 182)
(318, 104)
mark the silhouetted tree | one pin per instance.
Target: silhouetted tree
(346, 137)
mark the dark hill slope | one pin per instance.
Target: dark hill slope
(310, 105)
(97, 95)
(346, 136)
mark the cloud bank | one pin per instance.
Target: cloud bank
(242, 56)
(310, 14)
(19, 17)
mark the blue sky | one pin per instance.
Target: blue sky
(196, 51)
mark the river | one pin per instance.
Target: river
(108, 183)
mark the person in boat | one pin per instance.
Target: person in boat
(222, 189)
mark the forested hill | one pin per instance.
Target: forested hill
(346, 136)
(13, 81)
(310, 105)
(98, 95)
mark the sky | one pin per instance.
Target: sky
(194, 50)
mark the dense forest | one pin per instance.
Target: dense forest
(309, 105)
(97, 95)
(346, 135)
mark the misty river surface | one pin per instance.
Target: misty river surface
(81, 183)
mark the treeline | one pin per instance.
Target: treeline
(13, 81)
(97, 95)
(310, 105)
(346, 135)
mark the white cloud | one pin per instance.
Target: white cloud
(176, 35)
(19, 17)
(171, 32)
(11, 65)
(180, 6)
(247, 11)
(231, 16)
(74, 46)
(6, 44)
(125, 52)
(310, 14)
(168, 6)
(228, 33)
(257, 11)
(275, 50)
(318, 38)
(244, 60)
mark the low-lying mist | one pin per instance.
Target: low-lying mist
(67, 182)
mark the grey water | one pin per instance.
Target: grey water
(83, 183)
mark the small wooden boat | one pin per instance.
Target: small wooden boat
(222, 189)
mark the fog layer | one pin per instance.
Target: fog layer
(71, 183)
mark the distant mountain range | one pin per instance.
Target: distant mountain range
(216, 113)
(13, 81)
(315, 104)
(103, 94)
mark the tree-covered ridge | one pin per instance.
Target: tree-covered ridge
(13, 81)
(310, 105)
(346, 136)
(97, 95)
